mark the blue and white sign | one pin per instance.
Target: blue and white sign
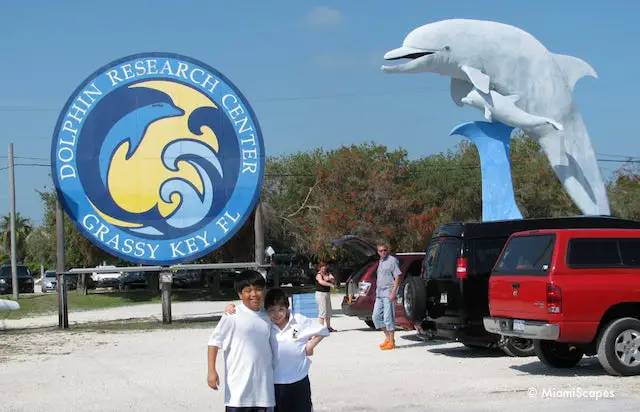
(158, 158)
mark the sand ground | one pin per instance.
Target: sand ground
(165, 370)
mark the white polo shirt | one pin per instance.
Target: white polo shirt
(289, 344)
(248, 357)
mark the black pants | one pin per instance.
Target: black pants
(294, 397)
(247, 409)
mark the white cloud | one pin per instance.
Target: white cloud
(324, 17)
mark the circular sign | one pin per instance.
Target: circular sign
(158, 159)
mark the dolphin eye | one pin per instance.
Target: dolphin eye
(447, 48)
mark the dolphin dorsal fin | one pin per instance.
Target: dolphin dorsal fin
(573, 69)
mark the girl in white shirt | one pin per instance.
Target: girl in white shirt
(293, 339)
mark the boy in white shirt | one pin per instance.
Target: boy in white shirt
(248, 355)
(293, 339)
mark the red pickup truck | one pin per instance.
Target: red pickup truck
(575, 292)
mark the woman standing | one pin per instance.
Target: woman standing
(324, 282)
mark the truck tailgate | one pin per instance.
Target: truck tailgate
(521, 297)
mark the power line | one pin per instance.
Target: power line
(26, 158)
(307, 175)
(23, 108)
(623, 158)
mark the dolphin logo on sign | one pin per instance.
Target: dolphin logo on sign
(158, 158)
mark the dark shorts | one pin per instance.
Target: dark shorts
(248, 409)
(294, 397)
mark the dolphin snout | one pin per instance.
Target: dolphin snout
(405, 52)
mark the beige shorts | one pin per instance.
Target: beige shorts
(323, 299)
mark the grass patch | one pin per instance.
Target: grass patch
(43, 304)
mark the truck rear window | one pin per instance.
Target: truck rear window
(526, 255)
(603, 252)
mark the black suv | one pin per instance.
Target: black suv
(450, 298)
(25, 280)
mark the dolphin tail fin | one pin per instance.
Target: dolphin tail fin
(487, 113)
(573, 69)
(572, 158)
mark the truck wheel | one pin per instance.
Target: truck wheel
(370, 324)
(619, 347)
(518, 347)
(557, 354)
(414, 299)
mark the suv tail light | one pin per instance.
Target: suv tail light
(554, 298)
(461, 268)
(363, 288)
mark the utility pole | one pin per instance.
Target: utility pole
(12, 193)
(63, 314)
(259, 235)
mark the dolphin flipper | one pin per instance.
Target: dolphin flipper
(553, 123)
(480, 80)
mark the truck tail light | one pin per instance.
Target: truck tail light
(461, 268)
(554, 298)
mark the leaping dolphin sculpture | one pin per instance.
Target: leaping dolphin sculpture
(493, 57)
(503, 109)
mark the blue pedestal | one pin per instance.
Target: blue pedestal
(305, 304)
(493, 141)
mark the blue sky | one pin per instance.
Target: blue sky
(311, 70)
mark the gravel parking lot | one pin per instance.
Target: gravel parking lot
(165, 370)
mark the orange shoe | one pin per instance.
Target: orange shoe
(388, 346)
(385, 343)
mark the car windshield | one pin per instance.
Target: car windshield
(49, 274)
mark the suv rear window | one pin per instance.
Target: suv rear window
(526, 255)
(484, 254)
(441, 258)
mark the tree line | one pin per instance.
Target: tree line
(309, 198)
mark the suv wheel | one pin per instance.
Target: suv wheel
(619, 347)
(557, 354)
(518, 347)
(414, 299)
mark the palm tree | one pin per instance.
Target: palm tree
(23, 228)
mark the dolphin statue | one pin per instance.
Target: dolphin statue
(132, 128)
(489, 56)
(503, 109)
